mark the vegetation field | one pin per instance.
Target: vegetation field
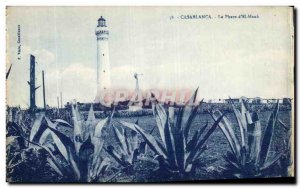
(140, 149)
(213, 156)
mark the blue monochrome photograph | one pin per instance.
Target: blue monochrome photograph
(150, 94)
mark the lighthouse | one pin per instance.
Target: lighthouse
(103, 66)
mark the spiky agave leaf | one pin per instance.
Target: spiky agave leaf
(287, 160)
(85, 159)
(232, 160)
(62, 122)
(192, 143)
(247, 121)
(40, 135)
(55, 163)
(283, 125)
(197, 156)
(121, 141)
(170, 144)
(135, 155)
(271, 162)
(133, 141)
(77, 137)
(98, 138)
(180, 144)
(86, 150)
(171, 113)
(100, 125)
(146, 146)
(149, 139)
(171, 133)
(93, 168)
(128, 148)
(160, 116)
(191, 119)
(266, 141)
(142, 147)
(89, 124)
(189, 113)
(227, 130)
(241, 119)
(40, 132)
(254, 138)
(289, 151)
(61, 140)
(199, 145)
(36, 125)
(55, 166)
(228, 127)
(179, 141)
(73, 164)
(118, 157)
(46, 134)
(91, 115)
(101, 168)
(127, 142)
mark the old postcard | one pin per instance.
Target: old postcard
(150, 94)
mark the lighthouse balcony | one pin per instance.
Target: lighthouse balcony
(102, 33)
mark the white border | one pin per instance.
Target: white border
(4, 3)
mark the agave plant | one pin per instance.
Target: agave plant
(76, 158)
(128, 147)
(15, 132)
(15, 144)
(177, 151)
(18, 151)
(249, 155)
(286, 161)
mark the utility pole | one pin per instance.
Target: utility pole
(57, 105)
(57, 102)
(31, 83)
(61, 104)
(44, 95)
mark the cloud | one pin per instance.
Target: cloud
(18, 89)
(44, 56)
(229, 57)
(75, 82)
(233, 73)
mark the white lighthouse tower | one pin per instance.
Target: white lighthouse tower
(103, 66)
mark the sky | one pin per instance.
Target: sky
(224, 57)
